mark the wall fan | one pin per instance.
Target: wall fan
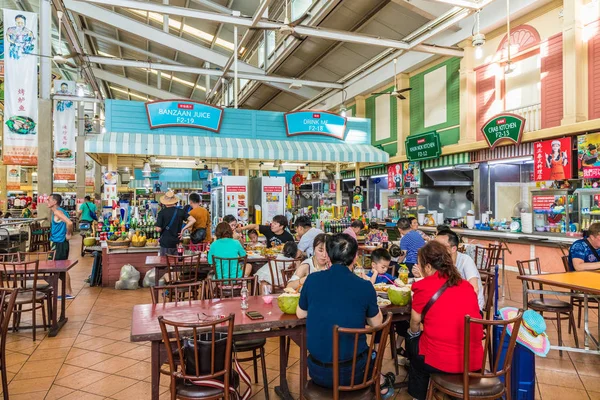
(396, 93)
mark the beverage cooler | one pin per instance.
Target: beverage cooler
(230, 198)
(406, 206)
(267, 198)
(556, 211)
(589, 206)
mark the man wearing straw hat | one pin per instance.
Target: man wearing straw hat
(170, 224)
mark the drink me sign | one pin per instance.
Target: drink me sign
(315, 123)
(185, 113)
(423, 146)
(503, 127)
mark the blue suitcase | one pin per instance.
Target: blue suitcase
(522, 374)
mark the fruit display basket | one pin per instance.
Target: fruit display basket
(118, 244)
(139, 243)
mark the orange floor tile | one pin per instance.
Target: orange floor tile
(92, 357)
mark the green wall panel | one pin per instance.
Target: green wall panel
(389, 145)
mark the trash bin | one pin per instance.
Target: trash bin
(522, 373)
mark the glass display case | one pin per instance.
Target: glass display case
(589, 207)
(403, 206)
(556, 211)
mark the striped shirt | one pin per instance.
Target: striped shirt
(411, 243)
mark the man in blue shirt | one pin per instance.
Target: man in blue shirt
(583, 254)
(338, 297)
(410, 243)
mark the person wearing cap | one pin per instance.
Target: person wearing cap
(583, 253)
(170, 224)
(556, 161)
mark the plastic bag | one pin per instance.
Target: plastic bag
(149, 278)
(126, 285)
(129, 273)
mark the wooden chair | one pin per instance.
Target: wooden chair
(182, 269)
(218, 369)
(482, 384)
(561, 309)
(355, 390)
(40, 237)
(486, 258)
(229, 288)
(7, 305)
(14, 276)
(9, 257)
(177, 293)
(279, 281)
(578, 301)
(42, 285)
(233, 267)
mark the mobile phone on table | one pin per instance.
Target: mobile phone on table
(254, 315)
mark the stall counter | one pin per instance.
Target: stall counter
(114, 259)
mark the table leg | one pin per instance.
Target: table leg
(586, 342)
(524, 295)
(283, 391)
(55, 328)
(303, 366)
(503, 275)
(155, 368)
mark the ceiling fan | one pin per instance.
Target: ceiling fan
(288, 26)
(396, 93)
(60, 58)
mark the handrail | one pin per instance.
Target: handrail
(523, 107)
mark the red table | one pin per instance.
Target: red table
(145, 327)
(52, 272)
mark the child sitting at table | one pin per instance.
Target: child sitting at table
(375, 236)
(380, 262)
(290, 252)
(253, 236)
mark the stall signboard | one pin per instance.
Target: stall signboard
(64, 132)
(503, 127)
(315, 123)
(588, 160)
(552, 160)
(423, 146)
(20, 144)
(184, 113)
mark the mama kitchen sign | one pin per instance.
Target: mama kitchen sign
(184, 113)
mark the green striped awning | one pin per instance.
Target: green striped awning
(443, 161)
(139, 183)
(368, 171)
(225, 147)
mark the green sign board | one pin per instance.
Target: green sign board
(142, 192)
(503, 127)
(423, 146)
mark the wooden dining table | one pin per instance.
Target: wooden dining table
(145, 327)
(52, 272)
(582, 284)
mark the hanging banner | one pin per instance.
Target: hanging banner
(411, 177)
(64, 132)
(185, 113)
(503, 127)
(315, 123)
(552, 160)
(587, 156)
(395, 176)
(90, 171)
(21, 88)
(13, 177)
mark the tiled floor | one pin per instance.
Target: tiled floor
(92, 357)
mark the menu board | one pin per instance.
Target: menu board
(236, 201)
(273, 201)
(543, 202)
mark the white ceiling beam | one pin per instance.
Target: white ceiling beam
(130, 47)
(131, 84)
(329, 34)
(156, 35)
(213, 6)
(211, 72)
(461, 3)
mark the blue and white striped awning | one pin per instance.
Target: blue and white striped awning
(219, 147)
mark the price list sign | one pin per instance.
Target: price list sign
(423, 146)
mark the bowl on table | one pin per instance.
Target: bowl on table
(267, 299)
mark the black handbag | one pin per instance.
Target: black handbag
(198, 235)
(204, 353)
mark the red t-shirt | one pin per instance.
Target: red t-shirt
(442, 339)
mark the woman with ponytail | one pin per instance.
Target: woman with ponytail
(440, 302)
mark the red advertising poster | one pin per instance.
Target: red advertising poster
(552, 160)
(395, 176)
(410, 202)
(587, 156)
(543, 202)
(272, 189)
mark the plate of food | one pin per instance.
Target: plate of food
(383, 302)
(381, 287)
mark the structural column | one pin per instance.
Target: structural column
(98, 181)
(112, 162)
(3, 193)
(44, 153)
(338, 186)
(468, 96)
(575, 85)
(80, 153)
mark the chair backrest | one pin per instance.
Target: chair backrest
(498, 369)
(233, 267)
(489, 291)
(276, 267)
(37, 256)
(9, 257)
(370, 377)
(229, 288)
(7, 304)
(177, 293)
(565, 261)
(530, 267)
(210, 353)
(15, 274)
(183, 269)
(487, 257)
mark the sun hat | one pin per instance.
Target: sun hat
(532, 333)
(169, 198)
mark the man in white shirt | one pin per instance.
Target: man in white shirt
(464, 263)
(306, 235)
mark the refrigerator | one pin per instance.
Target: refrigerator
(231, 197)
(267, 198)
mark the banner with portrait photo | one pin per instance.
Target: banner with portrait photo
(64, 132)
(90, 171)
(411, 176)
(20, 146)
(13, 177)
(588, 161)
(552, 160)
(395, 172)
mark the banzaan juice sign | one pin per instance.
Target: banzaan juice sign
(503, 127)
(423, 146)
(184, 113)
